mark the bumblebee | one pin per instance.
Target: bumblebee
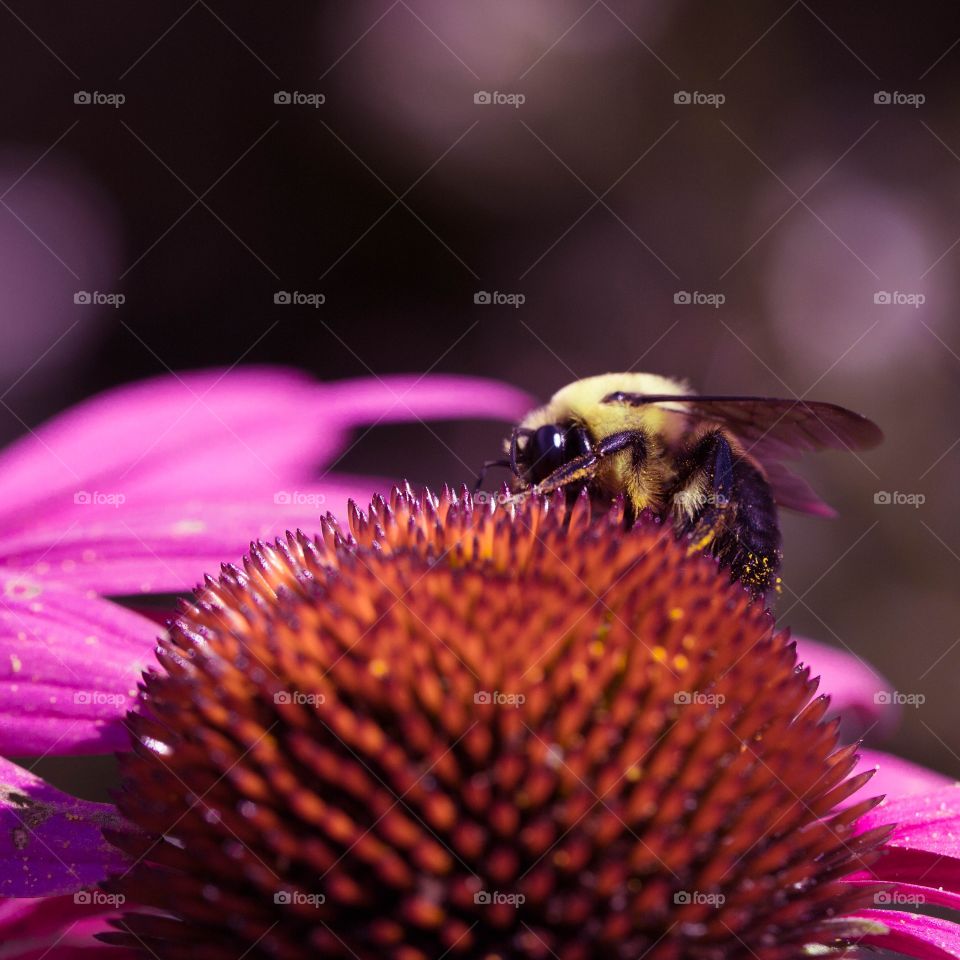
(712, 466)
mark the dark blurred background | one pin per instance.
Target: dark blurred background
(817, 227)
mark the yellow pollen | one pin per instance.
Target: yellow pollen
(676, 613)
(579, 672)
(379, 668)
(681, 661)
(660, 654)
(16, 663)
(633, 774)
(596, 648)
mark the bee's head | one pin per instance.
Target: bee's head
(537, 453)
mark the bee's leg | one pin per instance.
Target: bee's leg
(723, 504)
(582, 469)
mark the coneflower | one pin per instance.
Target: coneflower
(501, 731)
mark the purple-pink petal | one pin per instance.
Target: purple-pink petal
(929, 822)
(927, 938)
(51, 843)
(56, 928)
(894, 777)
(167, 547)
(860, 695)
(218, 432)
(69, 667)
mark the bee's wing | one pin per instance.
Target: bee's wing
(772, 429)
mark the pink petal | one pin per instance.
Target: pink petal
(857, 692)
(929, 822)
(416, 397)
(56, 928)
(913, 867)
(894, 777)
(927, 938)
(168, 548)
(51, 843)
(219, 432)
(910, 896)
(69, 667)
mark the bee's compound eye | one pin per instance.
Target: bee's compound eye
(577, 443)
(546, 451)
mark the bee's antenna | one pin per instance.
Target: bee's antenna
(483, 471)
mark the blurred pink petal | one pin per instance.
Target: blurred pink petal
(70, 667)
(857, 692)
(224, 433)
(894, 777)
(927, 938)
(54, 928)
(51, 842)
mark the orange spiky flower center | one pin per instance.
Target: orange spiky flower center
(508, 731)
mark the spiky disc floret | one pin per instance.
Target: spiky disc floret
(511, 731)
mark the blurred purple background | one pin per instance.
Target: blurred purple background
(826, 222)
